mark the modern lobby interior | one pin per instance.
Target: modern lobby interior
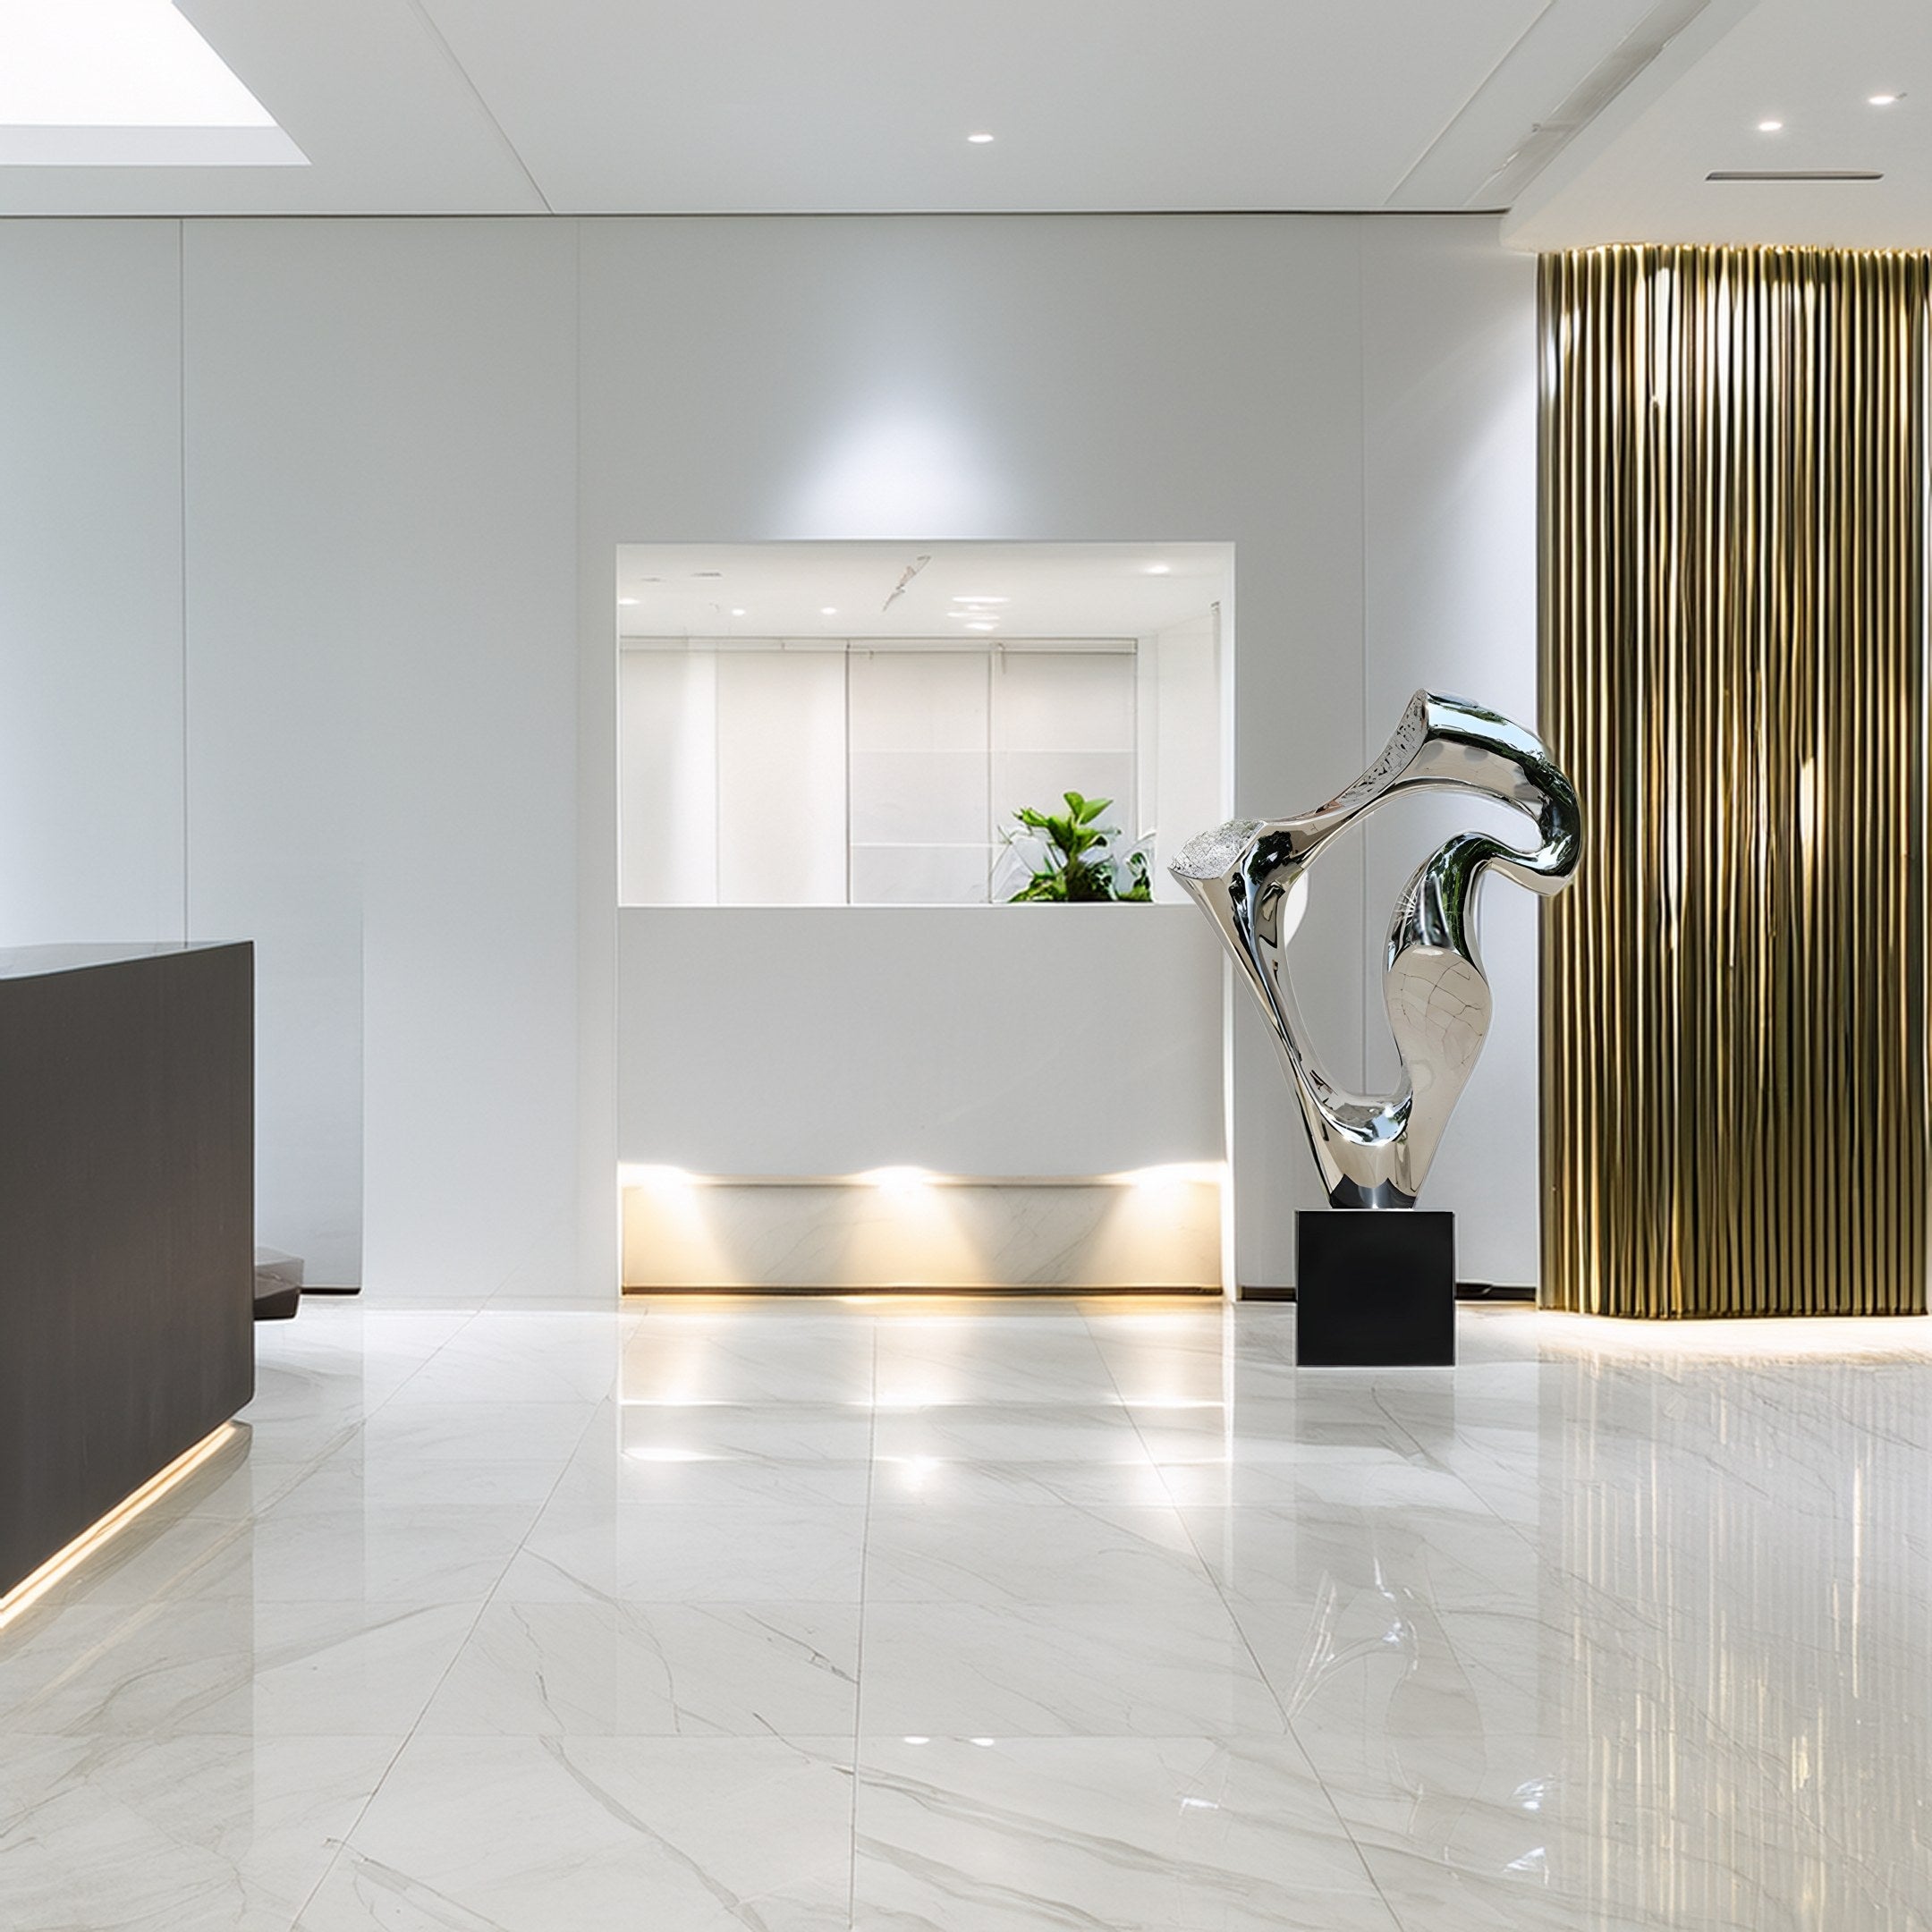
(859, 1365)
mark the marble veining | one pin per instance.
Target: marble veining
(928, 1615)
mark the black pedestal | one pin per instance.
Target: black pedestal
(1375, 1288)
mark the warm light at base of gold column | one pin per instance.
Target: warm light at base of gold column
(64, 1562)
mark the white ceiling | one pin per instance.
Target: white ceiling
(1639, 174)
(433, 107)
(1046, 591)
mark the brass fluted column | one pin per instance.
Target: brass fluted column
(1734, 526)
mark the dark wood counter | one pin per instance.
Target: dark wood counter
(126, 1223)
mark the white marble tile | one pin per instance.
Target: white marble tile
(668, 1472)
(232, 1484)
(1131, 1835)
(179, 1834)
(589, 1669)
(1179, 1669)
(930, 1361)
(451, 1430)
(1319, 1424)
(1604, 1629)
(710, 1359)
(419, 1552)
(295, 1443)
(929, 1481)
(691, 1553)
(502, 1367)
(1016, 1432)
(1130, 1557)
(1454, 1551)
(158, 1555)
(180, 1668)
(382, 1483)
(804, 1433)
(580, 1834)
(1534, 1833)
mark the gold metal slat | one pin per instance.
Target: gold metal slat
(1733, 595)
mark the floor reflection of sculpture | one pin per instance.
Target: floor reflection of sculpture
(1251, 877)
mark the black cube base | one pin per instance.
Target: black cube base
(1375, 1288)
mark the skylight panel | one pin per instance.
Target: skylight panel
(125, 83)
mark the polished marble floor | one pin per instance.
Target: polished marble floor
(957, 1616)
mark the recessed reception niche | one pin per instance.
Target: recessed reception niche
(847, 1059)
(857, 724)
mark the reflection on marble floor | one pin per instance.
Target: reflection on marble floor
(961, 1616)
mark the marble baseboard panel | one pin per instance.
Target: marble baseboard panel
(1157, 1231)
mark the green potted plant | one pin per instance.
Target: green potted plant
(1072, 858)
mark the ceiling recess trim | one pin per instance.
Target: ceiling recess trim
(1546, 138)
(1794, 174)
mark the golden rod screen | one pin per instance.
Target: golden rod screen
(1733, 503)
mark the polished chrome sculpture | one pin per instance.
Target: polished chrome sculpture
(1250, 878)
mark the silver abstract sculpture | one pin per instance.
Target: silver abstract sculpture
(1249, 877)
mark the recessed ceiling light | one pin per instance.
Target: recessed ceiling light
(1770, 127)
(737, 614)
(627, 601)
(1882, 100)
(829, 610)
(978, 141)
(980, 627)
(1158, 570)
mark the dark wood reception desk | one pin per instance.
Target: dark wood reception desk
(126, 1225)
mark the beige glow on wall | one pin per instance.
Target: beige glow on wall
(908, 1228)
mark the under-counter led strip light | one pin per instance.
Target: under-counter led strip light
(64, 1561)
(651, 1175)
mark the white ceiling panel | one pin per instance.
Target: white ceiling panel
(769, 105)
(367, 91)
(1641, 173)
(975, 592)
(1590, 120)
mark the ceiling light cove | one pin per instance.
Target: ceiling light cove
(125, 83)
(1770, 127)
(981, 140)
(1883, 101)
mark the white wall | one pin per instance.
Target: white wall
(400, 713)
(1180, 683)
(1449, 585)
(380, 476)
(90, 581)
(996, 1040)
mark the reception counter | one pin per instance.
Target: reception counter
(126, 1225)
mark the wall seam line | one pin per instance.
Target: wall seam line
(1364, 985)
